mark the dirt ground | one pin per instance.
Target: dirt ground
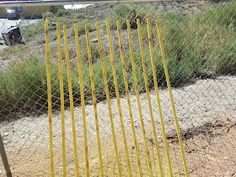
(207, 114)
(210, 153)
(213, 153)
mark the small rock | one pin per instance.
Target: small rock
(6, 141)
(226, 157)
(95, 40)
(161, 7)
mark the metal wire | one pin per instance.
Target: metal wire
(114, 114)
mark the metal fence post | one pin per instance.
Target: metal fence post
(4, 158)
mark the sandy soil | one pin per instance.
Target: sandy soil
(207, 114)
(213, 153)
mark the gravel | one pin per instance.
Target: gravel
(205, 101)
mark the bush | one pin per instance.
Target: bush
(196, 45)
(33, 30)
(23, 86)
(90, 26)
(201, 43)
(224, 14)
(63, 12)
(127, 11)
(80, 16)
(47, 15)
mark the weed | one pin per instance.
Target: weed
(195, 45)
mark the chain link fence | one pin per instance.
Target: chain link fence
(200, 44)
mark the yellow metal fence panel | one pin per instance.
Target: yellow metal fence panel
(157, 163)
(49, 89)
(94, 101)
(81, 82)
(72, 111)
(61, 98)
(164, 61)
(167, 150)
(118, 97)
(104, 74)
(122, 57)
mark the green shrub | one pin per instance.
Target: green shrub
(81, 26)
(33, 30)
(80, 16)
(224, 14)
(128, 11)
(201, 43)
(125, 11)
(63, 12)
(196, 45)
(47, 15)
(23, 85)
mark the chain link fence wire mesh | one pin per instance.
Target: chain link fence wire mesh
(200, 43)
